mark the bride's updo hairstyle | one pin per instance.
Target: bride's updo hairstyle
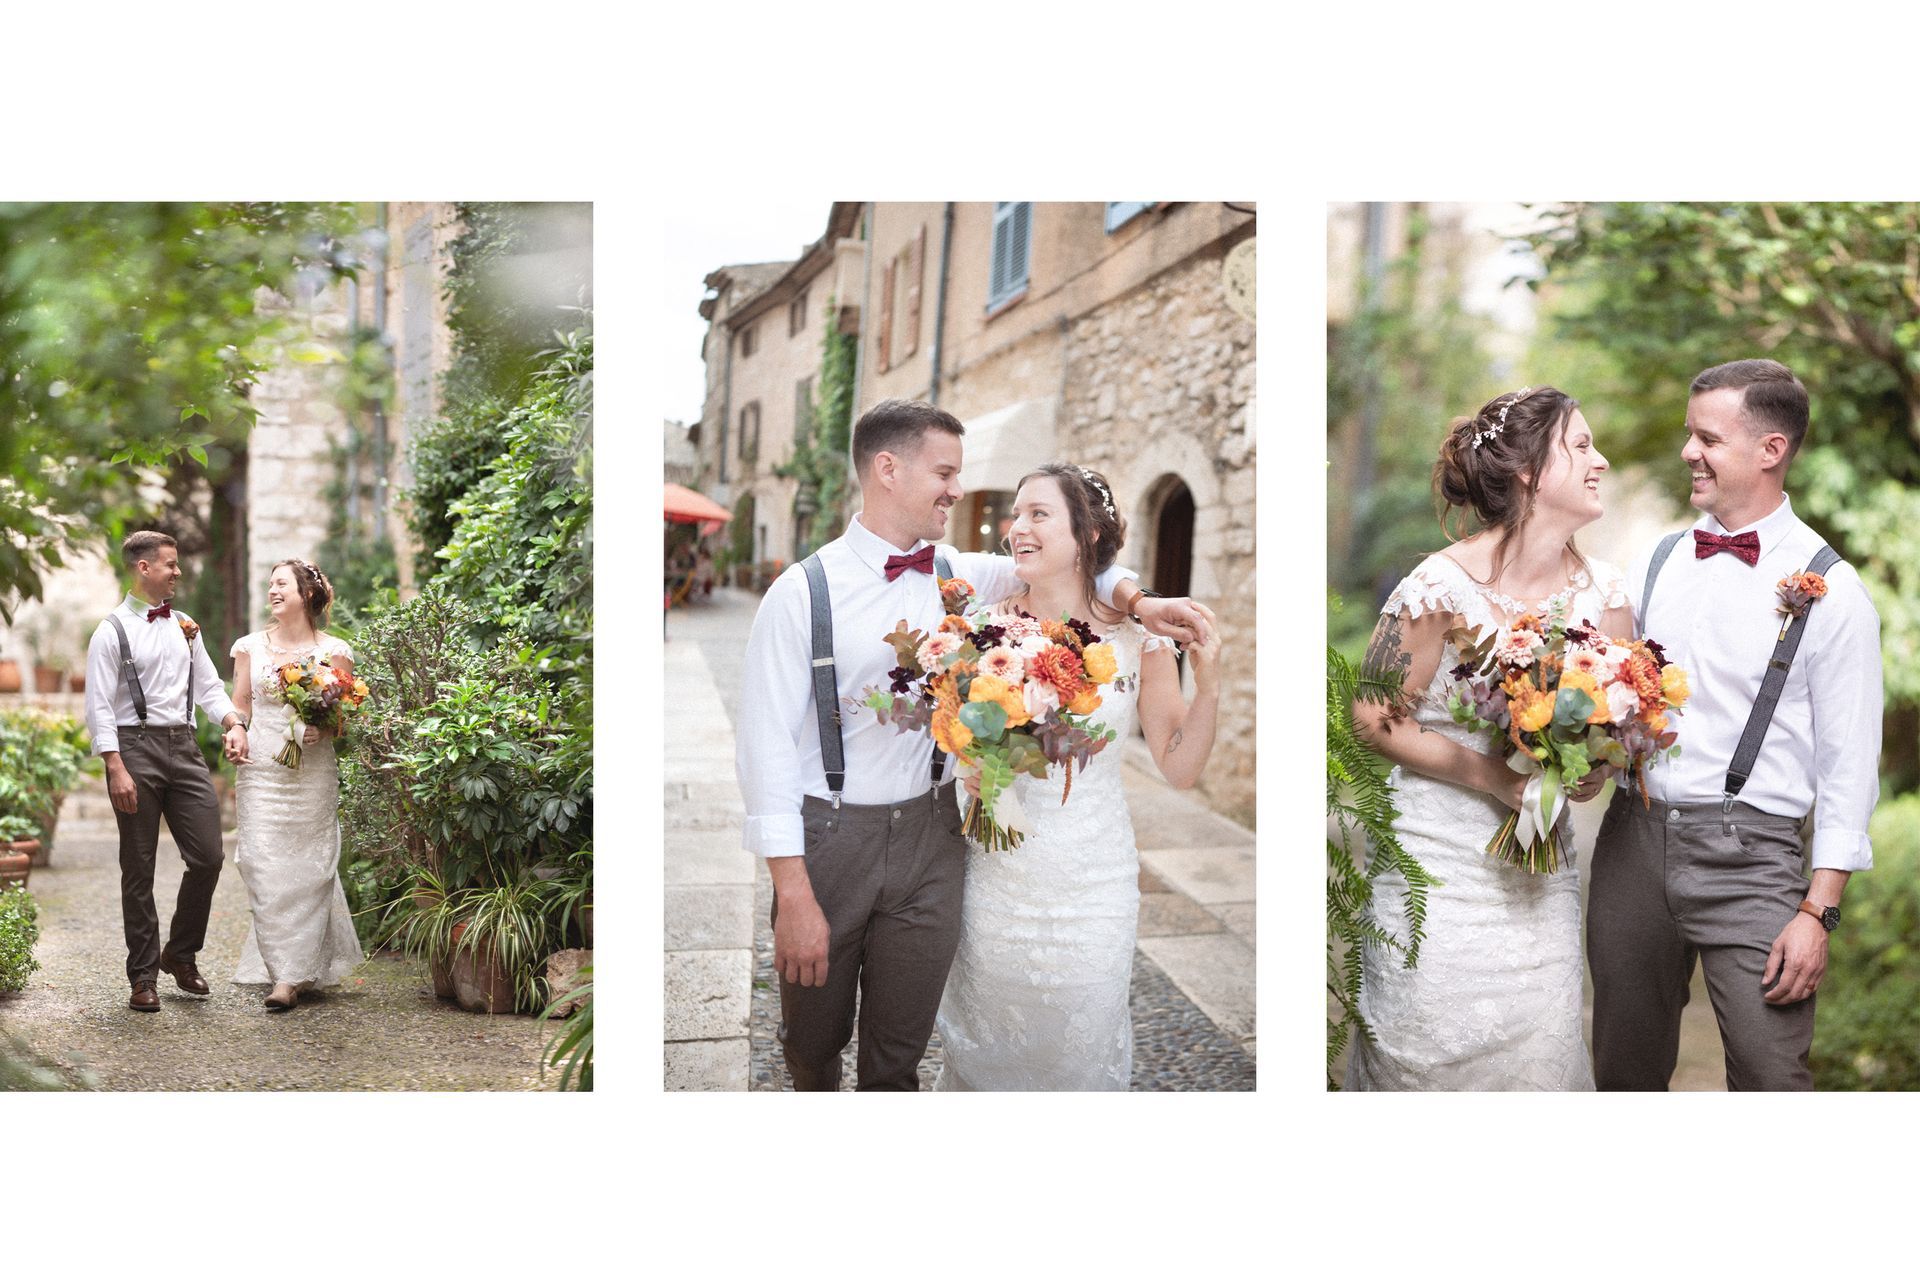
(315, 591)
(1099, 530)
(1491, 463)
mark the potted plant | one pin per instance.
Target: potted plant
(47, 665)
(9, 675)
(18, 844)
(77, 675)
(504, 935)
(422, 923)
(19, 931)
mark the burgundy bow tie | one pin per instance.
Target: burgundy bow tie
(1745, 545)
(920, 561)
(164, 611)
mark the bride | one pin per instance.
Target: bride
(302, 934)
(1495, 1001)
(1037, 996)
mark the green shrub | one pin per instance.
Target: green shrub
(41, 755)
(1867, 1026)
(19, 931)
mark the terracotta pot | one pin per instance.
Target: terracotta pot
(9, 676)
(442, 974)
(48, 822)
(479, 983)
(16, 861)
(46, 679)
(77, 682)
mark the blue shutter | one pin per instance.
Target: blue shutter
(1012, 240)
(1120, 212)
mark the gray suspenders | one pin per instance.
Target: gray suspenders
(132, 674)
(1771, 686)
(826, 692)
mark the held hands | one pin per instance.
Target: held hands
(1205, 653)
(1178, 619)
(235, 744)
(1798, 961)
(311, 736)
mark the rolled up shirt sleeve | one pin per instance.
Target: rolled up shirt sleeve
(1844, 686)
(209, 692)
(103, 677)
(776, 698)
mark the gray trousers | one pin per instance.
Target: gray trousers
(171, 780)
(1672, 884)
(889, 880)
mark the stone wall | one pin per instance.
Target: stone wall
(290, 461)
(1159, 384)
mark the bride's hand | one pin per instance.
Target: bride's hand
(311, 736)
(1589, 787)
(971, 781)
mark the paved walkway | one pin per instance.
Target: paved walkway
(1193, 986)
(382, 1029)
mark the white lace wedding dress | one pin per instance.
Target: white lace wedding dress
(1037, 998)
(1495, 1001)
(289, 851)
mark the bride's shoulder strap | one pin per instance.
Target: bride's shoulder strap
(1434, 586)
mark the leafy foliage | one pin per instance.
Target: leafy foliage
(821, 444)
(19, 932)
(571, 1049)
(41, 756)
(131, 333)
(1867, 1034)
(1360, 803)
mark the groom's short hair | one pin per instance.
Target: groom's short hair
(1772, 400)
(144, 544)
(895, 426)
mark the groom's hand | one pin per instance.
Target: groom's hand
(1798, 959)
(800, 938)
(120, 789)
(1175, 618)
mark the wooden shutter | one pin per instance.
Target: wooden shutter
(803, 409)
(916, 255)
(1012, 233)
(886, 318)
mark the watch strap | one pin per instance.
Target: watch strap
(1819, 913)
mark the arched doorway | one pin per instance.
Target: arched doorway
(1173, 538)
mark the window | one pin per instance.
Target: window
(884, 339)
(912, 262)
(1121, 212)
(693, 435)
(747, 340)
(802, 408)
(750, 433)
(723, 449)
(1012, 233)
(797, 314)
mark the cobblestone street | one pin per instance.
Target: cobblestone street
(381, 1029)
(1193, 985)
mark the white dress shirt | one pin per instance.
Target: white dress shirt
(160, 654)
(1718, 619)
(777, 755)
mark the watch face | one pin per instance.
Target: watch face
(1830, 918)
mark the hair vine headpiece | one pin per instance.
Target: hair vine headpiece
(1500, 423)
(1106, 497)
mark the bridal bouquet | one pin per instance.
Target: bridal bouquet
(317, 695)
(1007, 698)
(1560, 701)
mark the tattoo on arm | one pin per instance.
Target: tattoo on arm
(1179, 735)
(1387, 662)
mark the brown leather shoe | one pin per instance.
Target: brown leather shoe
(184, 972)
(145, 997)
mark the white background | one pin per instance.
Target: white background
(660, 118)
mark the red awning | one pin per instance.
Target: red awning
(684, 506)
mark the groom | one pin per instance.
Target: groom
(858, 822)
(1784, 720)
(146, 670)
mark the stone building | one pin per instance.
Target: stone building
(1101, 333)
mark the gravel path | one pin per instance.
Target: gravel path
(381, 1029)
(1176, 1047)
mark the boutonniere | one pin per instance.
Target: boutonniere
(955, 594)
(1798, 593)
(190, 628)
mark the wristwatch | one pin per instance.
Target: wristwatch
(1829, 917)
(1144, 595)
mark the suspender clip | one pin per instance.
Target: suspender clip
(836, 802)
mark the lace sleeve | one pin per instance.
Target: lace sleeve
(1613, 586)
(1428, 589)
(241, 647)
(334, 647)
(1149, 642)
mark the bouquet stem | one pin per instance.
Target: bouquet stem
(1542, 855)
(289, 753)
(992, 836)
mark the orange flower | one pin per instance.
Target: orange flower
(1056, 631)
(1060, 667)
(950, 733)
(986, 689)
(1086, 702)
(1586, 684)
(1673, 683)
(1100, 662)
(955, 623)
(1015, 706)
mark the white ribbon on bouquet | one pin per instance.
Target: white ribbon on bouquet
(1541, 804)
(1008, 813)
